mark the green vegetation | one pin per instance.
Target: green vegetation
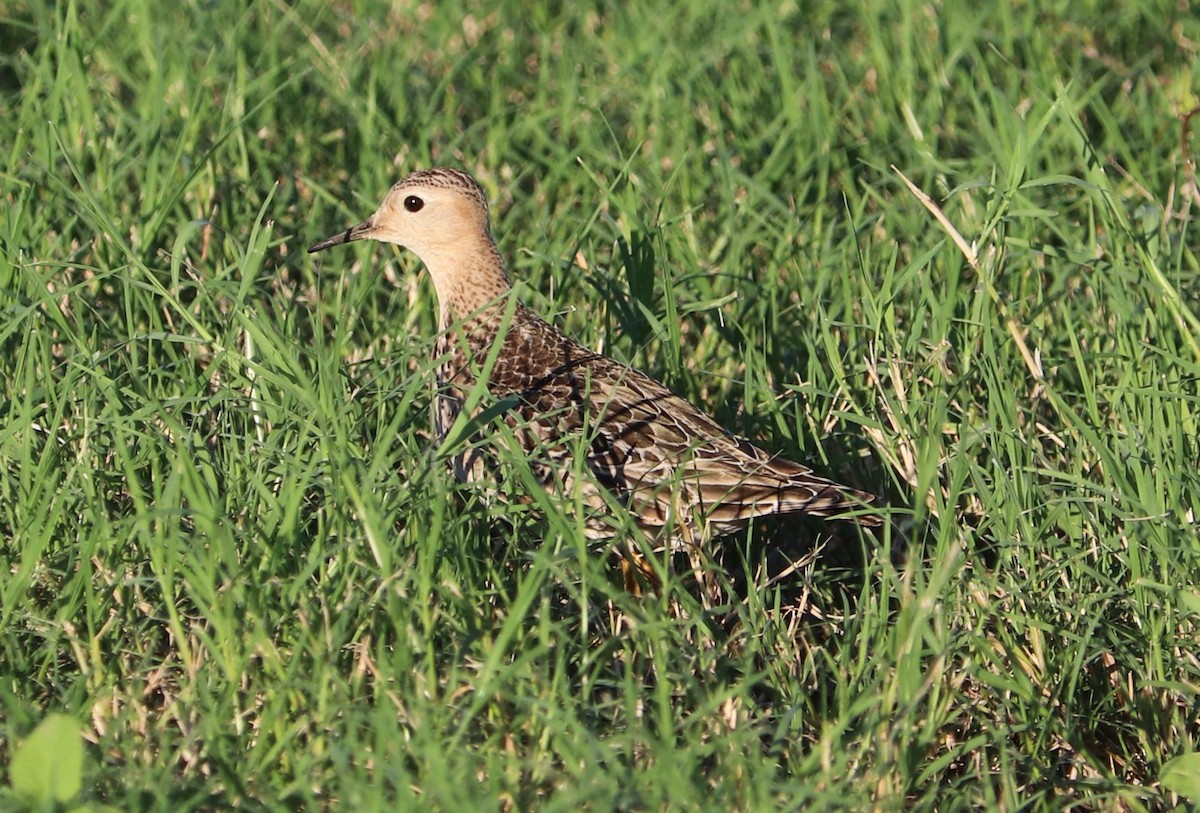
(232, 554)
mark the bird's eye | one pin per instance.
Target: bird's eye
(413, 204)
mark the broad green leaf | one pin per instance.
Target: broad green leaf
(1182, 775)
(48, 766)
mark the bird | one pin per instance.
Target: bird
(678, 472)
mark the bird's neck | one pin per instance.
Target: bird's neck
(471, 282)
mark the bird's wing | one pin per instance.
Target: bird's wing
(666, 443)
(648, 445)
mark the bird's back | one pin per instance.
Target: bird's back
(670, 463)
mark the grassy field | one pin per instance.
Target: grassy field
(232, 554)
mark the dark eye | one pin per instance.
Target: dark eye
(413, 204)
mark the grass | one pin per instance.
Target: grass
(230, 547)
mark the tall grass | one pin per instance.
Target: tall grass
(231, 548)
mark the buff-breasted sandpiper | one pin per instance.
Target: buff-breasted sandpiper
(679, 473)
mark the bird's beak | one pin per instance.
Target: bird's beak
(360, 232)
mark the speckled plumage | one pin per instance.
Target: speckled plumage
(669, 463)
